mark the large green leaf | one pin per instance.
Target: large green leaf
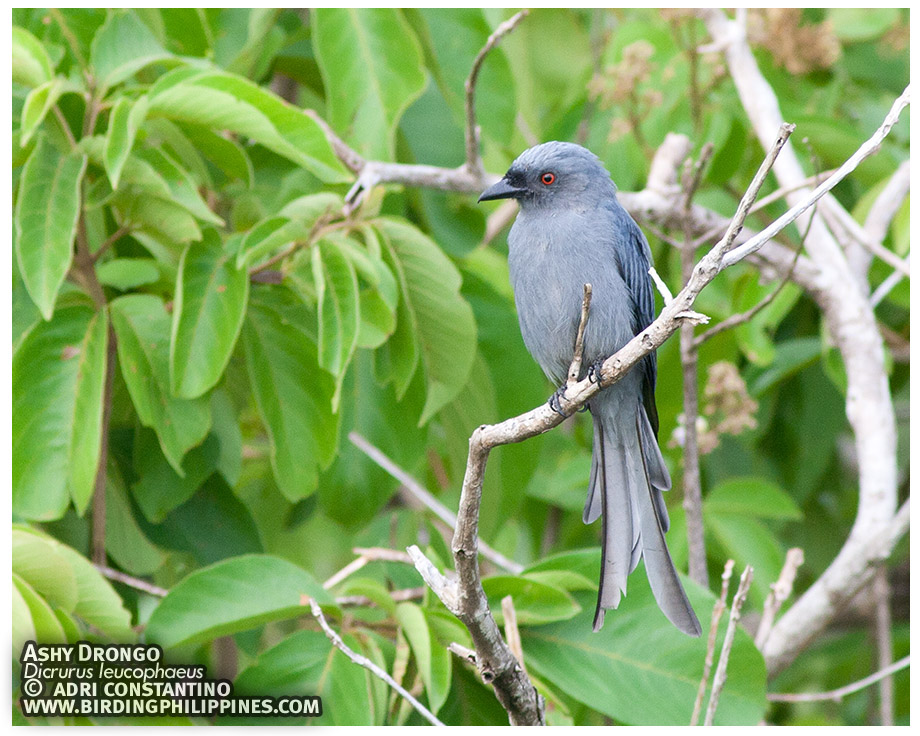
(124, 121)
(125, 541)
(122, 47)
(143, 328)
(40, 564)
(58, 379)
(292, 393)
(31, 64)
(96, 602)
(231, 596)
(306, 663)
(639, 669)
(535, 601)
(432, 658)
(224, 101)
(435, 325)
(39, 101)
(372, 68)
(46, 215)
(337, 309)
(211, 297)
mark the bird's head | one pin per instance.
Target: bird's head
(554, 175)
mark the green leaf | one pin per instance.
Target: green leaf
(48, 629)
(232, 596)
(371, 64)
(536, 601)
(292, 392)
(143, 328)
(861, 24)
(435, 324)
(96, 603)
(128, 273)
(58, 379)
(639, 669)
(124, 121)
(791, 357)
(160, 489)
(306, 663)
(226, 102)
(46, 221)
(39, 101)
(179, 183)
(267, 236)
(211, 297)
(125, 542)
(751, 497)
(228, 155)
(31, 64)
(122, 47)
(37, 561)
(432, 658)
(337, 308)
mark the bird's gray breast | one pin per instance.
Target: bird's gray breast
(550, 258)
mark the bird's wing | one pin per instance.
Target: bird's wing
(634, 258)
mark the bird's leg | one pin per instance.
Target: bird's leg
(554, 404)
(553, 401)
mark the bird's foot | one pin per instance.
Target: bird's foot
(594, 372)
(553, 402)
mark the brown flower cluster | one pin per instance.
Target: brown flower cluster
(799, 48)
(727, 409)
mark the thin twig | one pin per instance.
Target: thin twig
(575, 367)
(862, 153)
(718, 681)
(838, 694)
(882, 592)
(405, 594)
(363, 661)
(717, 610)
(884, 288)
(428, 500)
(111, 240)
(512, 634)
(473, 155)
(693, 491)
(741, 318)
(779, 593)
(130, 581)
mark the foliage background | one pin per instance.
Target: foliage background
(158, 174)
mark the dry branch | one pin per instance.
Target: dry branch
(363, 661)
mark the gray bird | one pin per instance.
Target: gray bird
(571, 230)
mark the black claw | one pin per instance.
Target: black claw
(594, 371)
(554, 401)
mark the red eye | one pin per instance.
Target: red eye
(548, 178)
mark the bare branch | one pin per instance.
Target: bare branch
(881, 590)
(365, 555)
(473, 155)
(428, 500)
(575, 367)
(779, 593)
(512, 634)
(718, 681)
(717, 610)
(131, 582)
(363, 661)
(839, 693)
(446, 590)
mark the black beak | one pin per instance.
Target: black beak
(502, 189)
